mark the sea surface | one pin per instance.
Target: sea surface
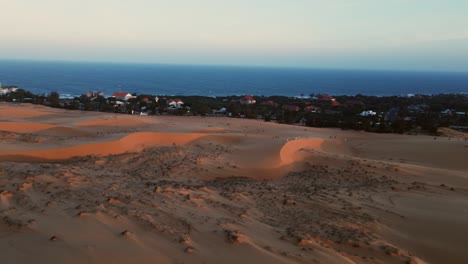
(75, 78)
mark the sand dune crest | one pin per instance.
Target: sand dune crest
(291, 151)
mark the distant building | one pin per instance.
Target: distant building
(334, 102)
(447, 112)
(175, 103)
(221, 111)
(4, 90)
(368, 113)
(313, 109)
(123, 96)
(248, 100)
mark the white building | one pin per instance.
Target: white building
(175, 103)
(7, 90)
(368, 113)
(122, 96)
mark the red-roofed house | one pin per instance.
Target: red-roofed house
(334, 102)
(175, 103)
(248, 99)
(122, 96)
(291, 107)
(313, 109)
(146, 100)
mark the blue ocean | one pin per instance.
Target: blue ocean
(75, 78)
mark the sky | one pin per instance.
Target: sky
(355, 34)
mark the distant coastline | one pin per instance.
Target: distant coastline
(72, 78)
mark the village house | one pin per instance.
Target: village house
(4, 90)
(447, 111)
(313, 109)
(123, 96)
(175, 103)
(368, 113)
(248, 100)
(334, 102)
(219, 112)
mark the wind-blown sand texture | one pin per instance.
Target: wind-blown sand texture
(112, 121)
(79, 187)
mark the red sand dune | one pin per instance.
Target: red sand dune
(246, 195)
(132, 143)
(24, 127)
(22, 112)
(290, 152)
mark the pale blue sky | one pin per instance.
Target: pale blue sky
(376, 34)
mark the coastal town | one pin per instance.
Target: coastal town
(410, 114)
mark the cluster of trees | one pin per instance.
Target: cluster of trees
(21, 95)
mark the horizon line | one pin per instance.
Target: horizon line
(231, 65)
